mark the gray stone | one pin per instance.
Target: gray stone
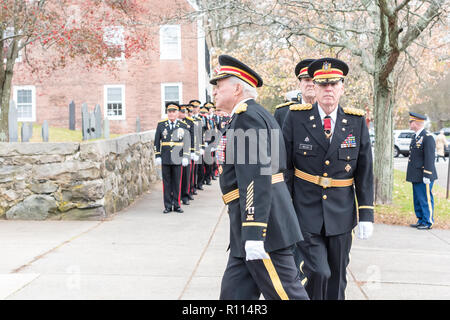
(13, 126)
(26, 131)
(95, 214)
(72, 116)
(85, 121)
(35, 148)
(98, 122)
(45, 131)
(34, 207)
(88, 191)
(44, 187)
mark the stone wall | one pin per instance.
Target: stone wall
(74, 181)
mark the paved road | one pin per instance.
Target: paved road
(143, 254)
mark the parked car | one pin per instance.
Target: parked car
(447, 136)
(402, 141)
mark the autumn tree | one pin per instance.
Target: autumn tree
(48, 34)
(376, 33)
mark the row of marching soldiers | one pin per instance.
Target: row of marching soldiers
(185, 145)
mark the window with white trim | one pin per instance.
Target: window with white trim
(25, 99)
(115, 42)
(114, 102)
(170, 92)
(170, 42)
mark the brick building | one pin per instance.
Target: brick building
(176, 69)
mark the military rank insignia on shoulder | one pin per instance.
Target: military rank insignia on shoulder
(284, 104)
(300, 107)
(354, 111)
(162, 120)
(241, 108)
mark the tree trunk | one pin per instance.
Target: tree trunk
(384, 144)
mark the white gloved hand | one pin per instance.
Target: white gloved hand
(185, 162)
(202, 152)
(213, 149)
(196, 158)
(193, 156)
(365, 229)
(254, 250)
(158, 161)
(426, 180)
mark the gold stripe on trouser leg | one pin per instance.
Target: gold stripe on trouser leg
(275, 279)
(430, 207)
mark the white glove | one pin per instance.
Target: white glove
(426, 180)
(365, 229)
(202, 152)
(254, 250)
(158, 161)
(196, 158)
(213, 149)
(185, 162)
(193, 156)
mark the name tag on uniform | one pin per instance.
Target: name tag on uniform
(305, 146)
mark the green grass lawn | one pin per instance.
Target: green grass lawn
(401, 211)
(59, 134)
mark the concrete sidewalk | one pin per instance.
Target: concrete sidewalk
(144, 254)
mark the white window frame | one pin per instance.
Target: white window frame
(118, 39)
(105, 102)
(163, 95)
(33, 102)
(163, 54)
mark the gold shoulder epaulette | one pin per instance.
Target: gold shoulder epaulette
(182, 121)
(300, 107)
(284, 104)
(162, 120)
(241, 108)
(189, 118)
(354, 111)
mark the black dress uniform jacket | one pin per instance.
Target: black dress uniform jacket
(348, 156)
(264, 209)
(421, 158)
(169, 140)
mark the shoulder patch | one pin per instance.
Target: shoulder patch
(241, 108)
(354, 111)
(300, 107)
(284, 104)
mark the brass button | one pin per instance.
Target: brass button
(264, 230)
(304, 153)
(264, 234)
(324, 197)
(327, 162)
(348, 157)
(325, 174)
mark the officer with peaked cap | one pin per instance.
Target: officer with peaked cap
(263, 224)
(172, 153)
(185, 178)
(199, 145)
(421, 171)
(329, 158)
(306, 89)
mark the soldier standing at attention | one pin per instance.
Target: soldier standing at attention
(169, 147)
(263, 224)
(421, 171)
(185, 179)
(306, 88)
(329, 152)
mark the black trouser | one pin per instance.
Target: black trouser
(171, 175)
(185, 182)
(276, 278)
(200, 174)
(193, 177)
(324, 261)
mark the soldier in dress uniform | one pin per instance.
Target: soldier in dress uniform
(306, 89)
(209, 136)
(199, 145)
(172, 154)
(329, 158)
(421, 171)
(185, 180)
(263, 224)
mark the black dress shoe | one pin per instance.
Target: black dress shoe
(208, 183)
(186, 202)
(423, 227)
(179, 210)
(167, 210)
(415, 225)
(190, 197)
(199, 188)
(194, 193)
